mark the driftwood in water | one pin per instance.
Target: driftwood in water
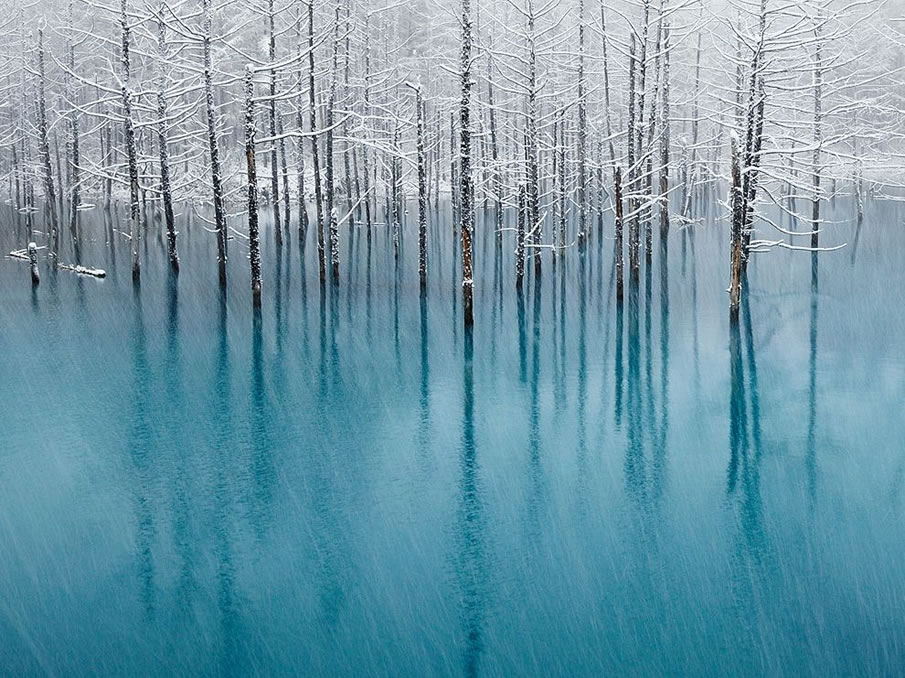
(84, 270)
(31, 255)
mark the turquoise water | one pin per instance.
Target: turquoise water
(348, 484)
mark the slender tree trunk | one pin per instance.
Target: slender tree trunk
(162, 143)
(394, 193)
(44, 150)
(582, 133)
(300, 143)
(818, 137)
(653, 122)
(620, 229)
(563, 216)
(632, 201)
(664, 141)
(366, 154)
(465, 165)
(284, 172)
(689, 187)
(254, 241)
(328, 152)
(312, 108)
(75, 177)
(606, 85)
(216, 180)
(272, 119)
(422, 190)
(347, 146)
(129, 133)
(737, 203)
(534, 226)
(495, 151)
(520, 238)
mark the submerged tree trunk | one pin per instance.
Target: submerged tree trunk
(394, 193)
(582, 133)
(254, 241)
(75, 176)
(44, 150)
(216, 180)
(162, 143)
(366, 154)
(422, 190)
(520, 239)
(495, 151)
(129, 132)
(533, 195)
(33, 263)
(328, 160)
(737, 218)
(272, 119)
(465, 165)
(618, 247)
(632, 201)
(312, 112)
(606, 84)
(284, 172)
(818, 137)
(664, 140)
(300, 143)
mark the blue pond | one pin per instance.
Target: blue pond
(348, 484)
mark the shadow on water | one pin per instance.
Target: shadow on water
(649, 403)
(856, 240)
(634, 465)
(619, 368)
(284, 480)
(303, 300)
(471, 560)
(424, 391)
(582, 401)
(228, 605)
(262, 427)
(522, 337)
(751, 561)
(187, 584)
(140, 445)
(811, 458)
(659, 461)
(535, 472)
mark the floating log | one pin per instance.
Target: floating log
(84, 270)
(31, 255)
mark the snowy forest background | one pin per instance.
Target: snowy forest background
(156, 103)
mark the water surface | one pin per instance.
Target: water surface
(349, 484)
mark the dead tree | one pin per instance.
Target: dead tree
(129, 133)
(620, 229)
(44, 150)
(213, 146)
(465, 189)
(75, 177)
(254, 240)
(818, 137)
(272, 119)
(582, 133)
(737, 208)
(163, 142)
(422, 187)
